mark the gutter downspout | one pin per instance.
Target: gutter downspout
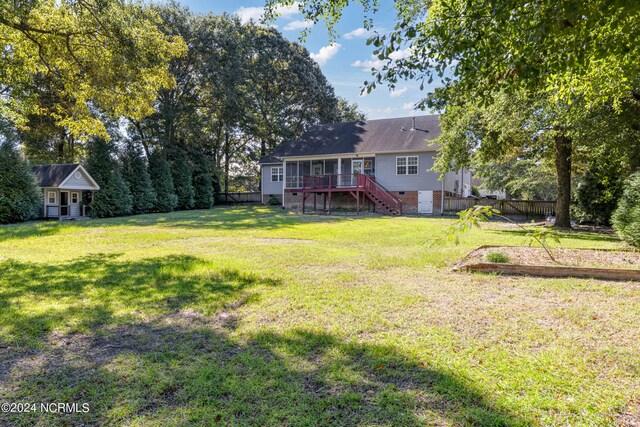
(444, 176)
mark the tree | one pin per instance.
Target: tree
(348, 112)
(626, 218)
(561, 51)
(160, 172)
(20, 198)
(105, 54)
(114, 197)
(521, 178)
(135, 173)
(182, 175)
(202, 184)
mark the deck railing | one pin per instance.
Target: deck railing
(354, 181)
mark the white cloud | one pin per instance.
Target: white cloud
(298, 25)
(398, 92)
(400, 54)
(368, 64)
(358, 32)
(408, 106)
(326, 53)
(247, 14)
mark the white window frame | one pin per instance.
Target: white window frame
(406, 165)
(279, 173)
(55, 198)
(77, 197)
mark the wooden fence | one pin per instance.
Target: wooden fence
(241, 197)
(527, 208)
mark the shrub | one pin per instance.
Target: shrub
(166, 199)
(497, 257)
(626, 218)
(598, 193)
(114, 197)
(182, 175)
(134, 170)
(20, 197)
(202, 185)
(273, 201)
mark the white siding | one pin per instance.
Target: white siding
(424, 180)
(269, 187)
(82, 183)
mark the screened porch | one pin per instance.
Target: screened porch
(342, 171)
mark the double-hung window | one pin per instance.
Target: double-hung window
(407, 165)
(277, 174)
(51, 197)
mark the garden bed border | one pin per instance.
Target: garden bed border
(619, 274)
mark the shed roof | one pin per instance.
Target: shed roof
(53, 175)
(370, 137)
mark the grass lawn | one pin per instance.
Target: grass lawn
(255, 316)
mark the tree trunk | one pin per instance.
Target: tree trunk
(563, 172)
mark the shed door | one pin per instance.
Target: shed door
(425, 202)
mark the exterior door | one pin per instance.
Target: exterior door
(425, 202)
(356, 168)
(317, 170)
(64, 203)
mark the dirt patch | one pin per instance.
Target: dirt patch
(566, 257)
(631, 416)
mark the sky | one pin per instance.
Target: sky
(346, 63)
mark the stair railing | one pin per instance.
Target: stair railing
(392, 202)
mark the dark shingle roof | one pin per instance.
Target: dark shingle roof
(52, 175)
(371, 136)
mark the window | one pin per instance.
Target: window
(51, 197)
(74, 198)
(276, 174)
(407, 165)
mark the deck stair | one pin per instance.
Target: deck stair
(357, 185)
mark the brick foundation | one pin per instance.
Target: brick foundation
(345, 201)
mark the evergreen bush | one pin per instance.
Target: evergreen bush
(20, 197)
(182, 175)
(114, 197)
(160, 173)
(626, 218)
(202, 185)
(135, 172)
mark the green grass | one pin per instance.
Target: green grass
(499, 257)
(255, 316)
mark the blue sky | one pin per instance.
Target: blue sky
(347, 64)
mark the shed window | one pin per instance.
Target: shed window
(407, 165)
(277, 174)
(74, 198)
(51, 197)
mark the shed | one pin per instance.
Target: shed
(67, 190)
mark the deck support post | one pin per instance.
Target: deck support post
(330, 201)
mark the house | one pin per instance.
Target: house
(382, 165)
(67, 190)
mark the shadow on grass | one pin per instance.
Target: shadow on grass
(36, 298)
(190, 372)
(29, 229)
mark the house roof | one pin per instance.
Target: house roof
(370, 137)
(58, 175)
(53, 175)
